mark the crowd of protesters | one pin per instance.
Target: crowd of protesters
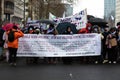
(110, 38)
(110, 43)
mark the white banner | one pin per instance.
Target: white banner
(34, 23)
(79, 19)
(59, 45)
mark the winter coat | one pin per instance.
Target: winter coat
(111, 40)
(17, 35)
(1, 37)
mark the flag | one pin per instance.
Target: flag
(79, 19)
(51, 16)
(64, 14)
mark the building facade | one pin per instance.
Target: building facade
(11, 11)
(117, 11)
(8, 9)
(32, 9)
(109, 11)
(18, 11)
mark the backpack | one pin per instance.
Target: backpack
(11, 36)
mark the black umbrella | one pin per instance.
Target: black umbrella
(61, 28)
(47, 21)
(97, 21)
(118, 23)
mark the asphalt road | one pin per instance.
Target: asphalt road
(60, 71)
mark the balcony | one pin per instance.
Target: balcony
(9, 7)
(8, 11)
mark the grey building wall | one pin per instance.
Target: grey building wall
(109, 12)
(110, 7)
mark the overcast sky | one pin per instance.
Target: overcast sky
(94, 7)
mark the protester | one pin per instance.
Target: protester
(119, 42)
(5, 38)
(35, 59)
(104, 46)
(52, 31)
(67, 60)
(31, 30)
(29, 60)
(86, 30)
(96, 29)
(37, 31)
(13, 46)
(1, 43)
(112, 45)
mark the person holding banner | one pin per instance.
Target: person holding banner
(52, 31)
(86, 30)
(32, 30)
(112, 46)
(97, 29)
(67, 60)
(104, 45)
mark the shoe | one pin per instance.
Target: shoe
(110, 62)
(14, 64)
(114, 62)
(11, 64)
(96, 62)
(105, 61)
(54, 62)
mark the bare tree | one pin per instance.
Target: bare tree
(41, 8)
(56, 7)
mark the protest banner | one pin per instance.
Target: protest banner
(34, 23)
(79, 19)
(59, 45)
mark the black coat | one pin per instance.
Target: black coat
(1, 37)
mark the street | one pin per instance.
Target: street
(59, 71)
(60, 39)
